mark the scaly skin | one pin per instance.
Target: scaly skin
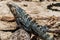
(29, 24)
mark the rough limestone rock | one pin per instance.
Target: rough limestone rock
(58, 0)
(5, 13)
(7, 21)
(8, 25)
(20, 34)
(5, 35)
(5, 17)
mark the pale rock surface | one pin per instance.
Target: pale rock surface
(5, 16)
(5, 24)
(5, 13)
(8, 25)
(5, 35)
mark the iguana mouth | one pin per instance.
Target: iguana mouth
(54, 7)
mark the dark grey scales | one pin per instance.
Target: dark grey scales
(29, 24)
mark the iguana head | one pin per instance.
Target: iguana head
(15, 9)
(12, 8)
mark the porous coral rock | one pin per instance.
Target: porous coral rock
(8, 25)
(5, 35)
(5, 13)
(20, 34)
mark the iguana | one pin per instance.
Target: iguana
(28, 23)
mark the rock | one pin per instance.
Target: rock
(35, 37)
(35, 0)
(58, 0)
(8, 25)
(5, 13)
(7, 20)
(5, 35)
(20, 34)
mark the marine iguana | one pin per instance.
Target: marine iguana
(28, 22)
